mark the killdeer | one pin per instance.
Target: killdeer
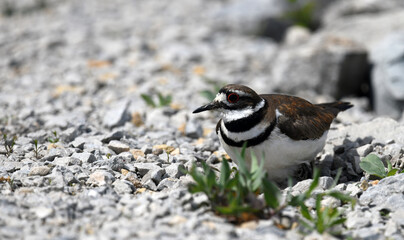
(283, 131)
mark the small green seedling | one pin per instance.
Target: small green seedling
(36, 149)
(302, 13)
(373, 165)
(55, 139)
(162, 100)
(9, 144)
(235, 194)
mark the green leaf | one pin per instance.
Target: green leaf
(242, 165)
(340, 196)
(305, 212)
(392, 172)
(148, 99)
(389, 166)
(320, 214)
(224, 173)
(164, 101)
(336, 179)
(314, 183)
(306, 224)
(373, 165)
(272, 194)
(337, 222)
(258, 173)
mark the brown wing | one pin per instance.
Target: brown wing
(301, 120)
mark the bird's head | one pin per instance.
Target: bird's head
(234, 102)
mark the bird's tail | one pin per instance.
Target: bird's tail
(335, 107)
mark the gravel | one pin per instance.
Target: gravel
(108, 166)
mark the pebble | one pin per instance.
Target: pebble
(40, 170)
(117, 115)
(85, 157)
(123, 186)
(100, 178)
(66, 161)
(118, 146)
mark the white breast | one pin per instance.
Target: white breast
(281, 154)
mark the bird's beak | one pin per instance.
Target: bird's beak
(209, 106)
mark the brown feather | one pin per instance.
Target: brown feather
(301, 120)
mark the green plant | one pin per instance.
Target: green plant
(210, 94)
(36, 149)
(9, 144)
(55, 139)
(236, 194)
(324, 218)
(373, 165)
(163, 100)
(301, 14)
(246, 194)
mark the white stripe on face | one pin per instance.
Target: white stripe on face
(235, 114)
(221, 97)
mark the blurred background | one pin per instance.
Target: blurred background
(68, 60)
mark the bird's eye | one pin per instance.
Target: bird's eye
(232, 97)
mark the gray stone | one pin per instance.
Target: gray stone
(12, 166)
(353, 189)
(146, 149)
(78, 142)
(116, 135)
(386, 194)
(155, 174)
(150, 185)
(143, 168)
(381, 129)
(66, 161)
(174, 170)
(38, 135)
(329, 65)
(301, 187)
(42, 212)
(118, 146)
(193, 129)
(117, 115)
(40, 170)
(123, 186)
(116, 163)
(100, 178)
(388, 75)
(53, 153)
(364, 150)
(85, 157)
(69, 134)
(358, 219)
(326, 182)
(166, 183)
(247, 17)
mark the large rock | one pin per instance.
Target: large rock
(269, 18)
(327, 64)
(388, 76)
(364, 21)
(381, 129)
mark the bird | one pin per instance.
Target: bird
(281, 130)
